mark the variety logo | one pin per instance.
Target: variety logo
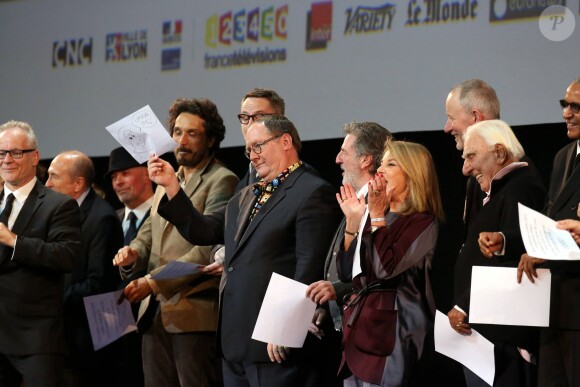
(126, 46)
(369, 19)
(502, 10)
(244, 30)
(171, 41)
(319, 25)
(72, 52)
(439, 11)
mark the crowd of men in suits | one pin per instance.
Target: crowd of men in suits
(60, 242)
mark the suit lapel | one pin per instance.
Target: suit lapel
(276, 198)
(569, 185)
(246, 203)
(32, 202)
(86, 206)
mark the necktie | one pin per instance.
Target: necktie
(577, 160)
(132, 230)
(7, 209)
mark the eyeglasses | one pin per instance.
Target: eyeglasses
(574, 107)
(14, 153)
(245, 118)
(257, 148)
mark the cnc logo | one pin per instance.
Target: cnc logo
(126, 46)
(171, 42)
(318, 25)
(505, 10)
(369, 19)
(72, 52)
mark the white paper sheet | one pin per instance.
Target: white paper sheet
(497, 298)
(542, 239)
(108, 320)
(474, 351)
(175, 269)
(141, 134)
(286, 313)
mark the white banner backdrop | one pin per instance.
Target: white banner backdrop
(72, 67)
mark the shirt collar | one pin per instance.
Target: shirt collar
(21, 193)
(140, 210)
(81, 198)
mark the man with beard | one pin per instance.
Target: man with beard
(179, 346)
(359, 158)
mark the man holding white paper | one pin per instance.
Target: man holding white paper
(559, 360)
(492, 153)
(179, 346)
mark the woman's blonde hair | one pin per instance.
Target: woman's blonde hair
(419, 169)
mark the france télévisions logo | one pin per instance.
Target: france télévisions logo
(72, 52)
(171, 42)
(246, 37)
(318, 25)
(126, 46)
(251, 26)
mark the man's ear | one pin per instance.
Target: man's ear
(500, 153)
(287, 138)
(366, 162)
(478, 116)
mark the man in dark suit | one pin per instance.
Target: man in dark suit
(469, 102)
(134, 190)
(492, 154)
(39, 242)
(257, 103)
(72, 173)
(359, 158)
(559, 359)
(281, 225)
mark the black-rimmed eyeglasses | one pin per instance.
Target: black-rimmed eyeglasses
(245, 118)
(257, 148)
(574, 107)
(14, 153)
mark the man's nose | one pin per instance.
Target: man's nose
(448, 125)
(467, 168)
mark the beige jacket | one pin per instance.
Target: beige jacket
(188, 304)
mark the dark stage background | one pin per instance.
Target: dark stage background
(541, 142)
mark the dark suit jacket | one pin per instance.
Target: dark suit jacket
(562, 203)
(289, 236)
(32, 283)
(474, 195)
(101, 238)
(248, 179)
(500, 214)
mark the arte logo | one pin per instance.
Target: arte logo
(369, 19)
(503, 10)
(171, 42)
(72, 52)
(439, 11)
(126, 46)
(243, 31)
(243, 26)
(318, 25)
